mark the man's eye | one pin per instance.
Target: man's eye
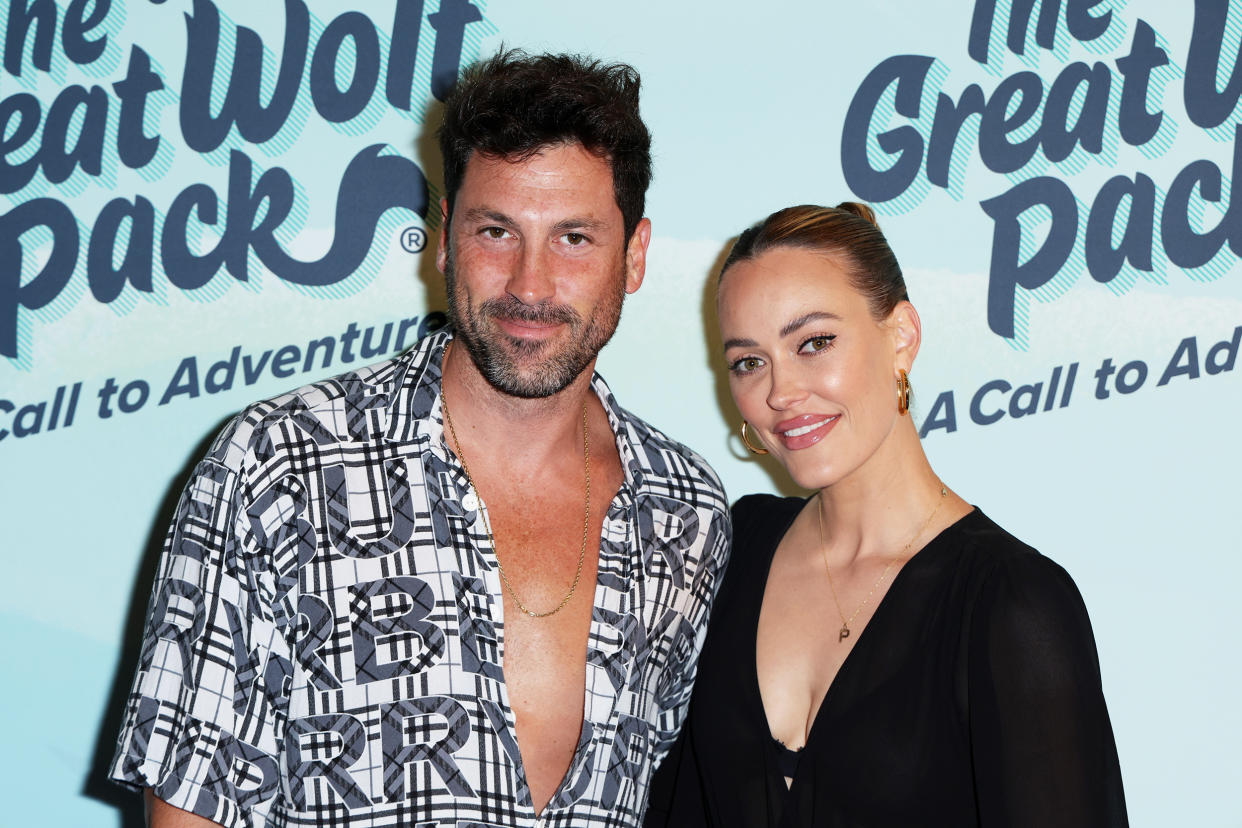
(575, 239)
(495, 232)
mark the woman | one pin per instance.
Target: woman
(881, 653)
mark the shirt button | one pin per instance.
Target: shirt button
(470, 502)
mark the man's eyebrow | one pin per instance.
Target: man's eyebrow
(486, 214)
(565, 225)
(814, 316)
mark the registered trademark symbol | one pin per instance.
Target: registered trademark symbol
(413, 239)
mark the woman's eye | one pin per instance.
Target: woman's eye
(746, 365)
(816, 343)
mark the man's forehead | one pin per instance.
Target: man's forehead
(556, 176)
(541, 150)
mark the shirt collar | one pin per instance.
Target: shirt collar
(415, 413)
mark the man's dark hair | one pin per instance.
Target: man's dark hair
(513, 105)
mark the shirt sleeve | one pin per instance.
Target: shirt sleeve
(684, 656)
(203, 720)
(1043, 748)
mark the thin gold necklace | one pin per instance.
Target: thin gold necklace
(845, 622)
(491, 536)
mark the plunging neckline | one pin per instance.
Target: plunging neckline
(753, 628)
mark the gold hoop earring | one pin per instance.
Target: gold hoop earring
(746, 439)
(903, 392)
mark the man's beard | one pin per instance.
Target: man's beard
(522, 368)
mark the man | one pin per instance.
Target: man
(462, 587)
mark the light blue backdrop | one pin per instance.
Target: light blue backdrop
(1134, 493)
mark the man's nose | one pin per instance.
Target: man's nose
(530, 280)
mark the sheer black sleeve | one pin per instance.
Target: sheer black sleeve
(1042, 745)
(676, 792)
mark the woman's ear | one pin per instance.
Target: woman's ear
(906, 329)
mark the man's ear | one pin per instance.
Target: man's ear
(442, 250)
(906, 329)
(636, 255)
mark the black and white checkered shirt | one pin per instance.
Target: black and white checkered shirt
(326, 634)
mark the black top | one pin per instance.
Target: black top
(971, 698)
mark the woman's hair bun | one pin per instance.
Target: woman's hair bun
(861, 210)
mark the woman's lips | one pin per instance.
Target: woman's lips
(807, 430)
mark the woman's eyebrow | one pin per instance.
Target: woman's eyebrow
(794, 324)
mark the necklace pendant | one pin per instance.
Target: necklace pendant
(844, 634)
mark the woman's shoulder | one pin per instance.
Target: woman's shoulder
(984, 544)
(1011, 577)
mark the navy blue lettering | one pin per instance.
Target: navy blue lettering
(1185, 362)
(19, 121)
(1081, 24)
(184, 381)
(242, 106)
(51, 278)
(285, 359)
(1103, 260)
(450, 23)
(370, 351)
(134, 147)
(909, 72)
(976, 402)
(1185, 246)
(1102, 374)
(1221, 356)
(1025, 400)
(60, 160)
(372, 184)
(407, 23)
(334, 104)
(1132, 376)
(41, 14)
(1206, 105)
(184, 269)
(219, 376)
(328, 344)
(106, 281)
(78, 48)
(1057, 134)
(995, 149)
(1006, 273)
(945, 129)
(943, 415)
(1136, 123)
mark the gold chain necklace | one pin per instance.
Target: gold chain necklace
(845, 623)
(586, 519)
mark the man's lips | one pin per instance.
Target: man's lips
(807, 430)
(526, 328)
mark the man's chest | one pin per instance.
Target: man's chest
(403, 662)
